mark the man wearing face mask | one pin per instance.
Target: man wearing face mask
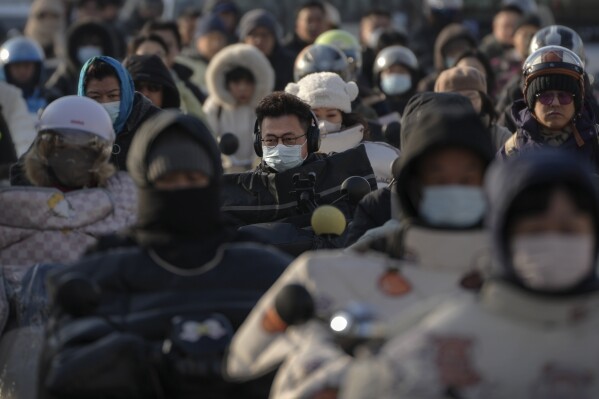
(287, 138)
(541, 296)
(105, 80)
(433, 255)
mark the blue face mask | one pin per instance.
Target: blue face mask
(281, 157)
(84, 53)
(113, 109)
(395, 84)
(452, 205)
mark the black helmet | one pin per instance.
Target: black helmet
(321, 58)
(558, 35)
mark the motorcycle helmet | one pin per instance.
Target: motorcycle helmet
(321, 58)
(558, 35)
(22, 49)
(394, 55)
(347, 43)
(72, 146)
(553, 68)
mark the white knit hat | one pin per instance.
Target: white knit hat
(325, 90)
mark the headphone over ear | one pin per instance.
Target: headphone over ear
(312, 136)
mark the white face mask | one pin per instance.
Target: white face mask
(326, 127)
(84, 53)
(452, 205)
(396, 83)
(281, 157)
(113, 109)
(552, 261)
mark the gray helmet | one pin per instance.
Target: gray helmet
(558, 35)
(321, 58)
(394, 55)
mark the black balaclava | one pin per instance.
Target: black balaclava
(171, 217)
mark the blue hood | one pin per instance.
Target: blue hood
(127, 88)
(505, 180)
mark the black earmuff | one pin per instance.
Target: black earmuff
(312, 136)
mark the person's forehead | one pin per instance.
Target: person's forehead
(281, 125)
(310, 11)
(104, 85)
(260, 31)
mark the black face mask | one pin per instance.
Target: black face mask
(168, 215)
(72, 167)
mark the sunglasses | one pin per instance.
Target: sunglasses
(546, 98)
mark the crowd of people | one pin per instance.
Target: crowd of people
(212, 207)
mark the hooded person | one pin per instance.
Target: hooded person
(541, 295)
(433, 256)
(46, 25)
(209, 38)
(106, 80)
(437, 14)
(238, 77)
(452, 41)
(377, 214)
(182, 262)
(84, 40)
(554, 112)
(330, 98)
(469, 82)
(260, 28)
(152, 79)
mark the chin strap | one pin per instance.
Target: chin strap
(577, 136)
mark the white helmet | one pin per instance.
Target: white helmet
(73, 114)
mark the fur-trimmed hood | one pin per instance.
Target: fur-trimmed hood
(230, 57)
(38, 172)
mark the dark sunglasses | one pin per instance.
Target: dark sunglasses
(546, 98)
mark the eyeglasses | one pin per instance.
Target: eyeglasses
(288, 141)
(546, 98)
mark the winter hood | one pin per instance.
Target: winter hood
(149, 68)
(239, 55)
(432, 121)
(148, 133)
(506, 180)
(126, 83)
(83, 30)
(450, 33)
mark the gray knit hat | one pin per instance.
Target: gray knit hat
(175, 151)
